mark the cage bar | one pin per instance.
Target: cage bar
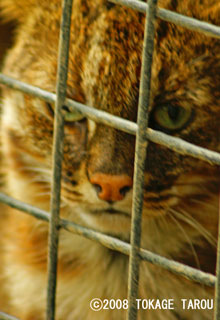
(140, 157)
(113, 243)
(24, 207)
(217, 288)
(176, 18)
(143, 135)
(63, 58)
(5, 316)
(173, 143)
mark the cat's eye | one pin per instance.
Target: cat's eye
(73, 117)
(69, 116)
(172, 117)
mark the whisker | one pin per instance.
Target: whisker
(35, 169)
(203, 203)
(195, 183)
(164, 221)
(187, 218)
(187, 239)
(209, 237)
(67, 190)
(67, 197)
(39, 179)
(40, 194)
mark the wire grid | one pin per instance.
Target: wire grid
(143, 133)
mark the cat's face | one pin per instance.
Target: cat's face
(104, 72)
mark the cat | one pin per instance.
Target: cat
(180, 210)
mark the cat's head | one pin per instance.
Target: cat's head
(104, 72)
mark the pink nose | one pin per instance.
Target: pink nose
(111, 187)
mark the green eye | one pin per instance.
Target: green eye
(172, 117)
(68, 115)
(72, 116)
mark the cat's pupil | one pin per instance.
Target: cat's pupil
(65, 108)
(173, 113)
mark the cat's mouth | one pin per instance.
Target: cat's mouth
(110, 211)
(111, 220)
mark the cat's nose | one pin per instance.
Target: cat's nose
(111, 187)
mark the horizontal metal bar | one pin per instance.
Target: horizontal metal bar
(5, 316)
(114, 243)
(27, 88)
(183, 147)
(161, 138)
(123, 247)
(170, 16)
(92, 113)
(23, 206)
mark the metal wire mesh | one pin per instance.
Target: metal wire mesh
(139, 165)
(57, 156)
(143, 134)
(4, 316)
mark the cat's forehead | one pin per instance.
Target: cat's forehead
(105, 60)
(185, 67)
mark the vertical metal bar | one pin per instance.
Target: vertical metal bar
(57, 156)
(217, 285)
(140, 156)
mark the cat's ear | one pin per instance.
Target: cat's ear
(17, 9)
